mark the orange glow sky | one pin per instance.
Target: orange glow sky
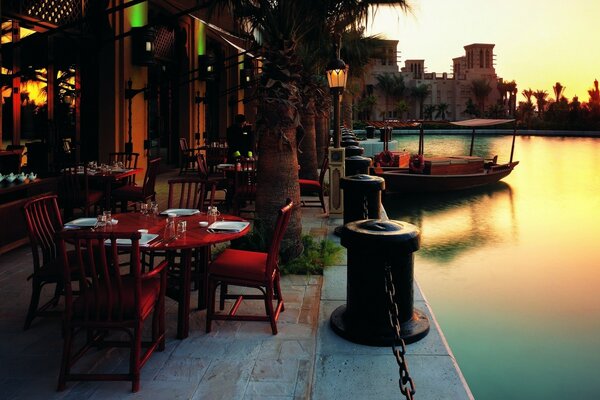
(537, 42)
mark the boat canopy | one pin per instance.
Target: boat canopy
(473, 123)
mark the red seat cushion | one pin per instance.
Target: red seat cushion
(149, 296)
(242, 264)
(309, 184)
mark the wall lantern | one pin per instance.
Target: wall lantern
(142, 45)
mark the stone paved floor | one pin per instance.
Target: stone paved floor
(236, 360)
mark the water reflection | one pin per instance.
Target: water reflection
(455, 223)
(512, 270)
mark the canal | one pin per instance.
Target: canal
(512, 271)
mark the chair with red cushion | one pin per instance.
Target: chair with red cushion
(75, 191)
(43, 220)
(249, 269)
(133, 193)
(110, 299)
(308, 186)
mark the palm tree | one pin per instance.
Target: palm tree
(420, 93)
(481, 89)
(527, 93)
(385, 83)
(277, 27)
(442, 109)
(559, 91)
(401, 108)
(540, 98)
(594, 93)
(428, 111)
(511, 88)
(357, 49)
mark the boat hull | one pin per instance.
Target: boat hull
(402, 181)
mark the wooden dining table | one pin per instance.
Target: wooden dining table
(108, 179)
(195, 237)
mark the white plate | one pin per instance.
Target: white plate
(227, 226)
(81, 223)
(180, 212)
(224, 166)
(144, 240)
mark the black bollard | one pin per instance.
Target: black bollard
(354, 151)
(362, 196)
(372, 245)
(357, 165)
(370, 131)
(349, 142)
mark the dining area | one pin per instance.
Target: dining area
(162, 270)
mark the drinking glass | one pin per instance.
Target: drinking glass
(154, 208)
(107, 216)
(212, 214)
(144, 208)
(181, 228)
(100, 221)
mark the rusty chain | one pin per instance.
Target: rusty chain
(407, 386)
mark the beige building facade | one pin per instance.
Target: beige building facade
(453, 89)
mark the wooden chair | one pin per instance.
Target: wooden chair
(308, 186)
(111, 299)
(188, 157)
(42, 218)
(193, 193)
(129, 161)
(249, 269)
(134, 193)
(75, 192)
(245, 185)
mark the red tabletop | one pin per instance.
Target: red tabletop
(195, 237)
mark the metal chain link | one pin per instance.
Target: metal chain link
(365, 207)
(407, 386)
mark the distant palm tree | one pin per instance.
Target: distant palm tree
(357, 50)
(420, 94)
(559, 91)
(442, 109)
(428, 111)
(401, 108)
(541, 100)
(511, 88)
(392, 86)
(527, 93)
(481, 90)
(594, 93)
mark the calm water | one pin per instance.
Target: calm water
(513, 271)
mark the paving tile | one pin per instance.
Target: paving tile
(287, 349)
(225, 379)
(186, 369)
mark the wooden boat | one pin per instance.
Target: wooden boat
(441, 174)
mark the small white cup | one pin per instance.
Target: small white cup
(203, 224)
(143, 231)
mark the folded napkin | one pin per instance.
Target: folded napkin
(227, 226)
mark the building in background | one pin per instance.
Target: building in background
(451, 92)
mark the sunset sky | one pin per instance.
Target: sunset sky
(537, 42)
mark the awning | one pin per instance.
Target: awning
(473, 123)
(234, 41)
(393, 124)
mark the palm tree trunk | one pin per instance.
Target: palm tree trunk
(277, 177)
(307, 149)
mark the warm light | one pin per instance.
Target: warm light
(337, 74)
(148, 46)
